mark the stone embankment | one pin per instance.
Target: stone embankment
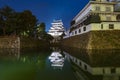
(9, 42)
(94, 40)
(33, 43)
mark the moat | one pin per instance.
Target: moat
(69, 64)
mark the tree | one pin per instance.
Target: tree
(26, 22)
(1, 24)
(16, 22)
(41, 33)
(6, 13)
(40, 30)
(41, 27)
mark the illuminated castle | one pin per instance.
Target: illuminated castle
(57, 28)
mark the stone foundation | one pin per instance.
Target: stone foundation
(94, 40)
(9, 42)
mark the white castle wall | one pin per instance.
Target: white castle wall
(83, 13)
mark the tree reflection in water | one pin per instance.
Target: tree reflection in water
(24, 66)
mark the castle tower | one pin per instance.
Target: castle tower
(57, 28)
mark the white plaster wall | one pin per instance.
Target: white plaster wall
(95, 27)
(104, 17)
(118, 70)
(88, 28)
(97, 71)
(84, 13)
(102, 7)
(106, 25)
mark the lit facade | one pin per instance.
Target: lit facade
(97, 15)
(57, 28)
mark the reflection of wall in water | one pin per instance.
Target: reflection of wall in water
(107, 72)
(14, 53)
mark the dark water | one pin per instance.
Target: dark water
(75, 64)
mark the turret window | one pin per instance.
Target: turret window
(111, 26)
(79, 30)
(108, 18)
(108, 8)
(118, 17)
(113, 70)
(75, 32)
(84, 28)
(97, 8)
(101, 26)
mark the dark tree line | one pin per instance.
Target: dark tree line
(18, 23)
(21, 24)
(41, 34)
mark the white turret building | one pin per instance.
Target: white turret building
(57, 28)
(97, 15)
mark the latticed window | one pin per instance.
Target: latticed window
(108, 8)
(108, 18)
(79, 30)
(101, 26)
(118, 17)
(97, 8)
(84, 28)
(75, 32)
(111, 26)
(113, 70)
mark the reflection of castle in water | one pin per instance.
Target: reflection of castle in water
(57, 60)
(98, 65)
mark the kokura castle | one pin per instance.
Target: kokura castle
(97, 15)
(56, 30)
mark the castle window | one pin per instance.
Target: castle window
(79, 30)
(72, 33)
(118, 17)
(97, 8)
(85, 66)
(101, 26)
(113, 70)
(111, 26)
(75, 32)
(108, 18)
(108, 8)
(84, 28)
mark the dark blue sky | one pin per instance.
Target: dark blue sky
(48, 10)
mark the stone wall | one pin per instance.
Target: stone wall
(94, 40)
(23, 42)
(33, 43)
(9, 42)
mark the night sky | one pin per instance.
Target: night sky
(48, 10)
